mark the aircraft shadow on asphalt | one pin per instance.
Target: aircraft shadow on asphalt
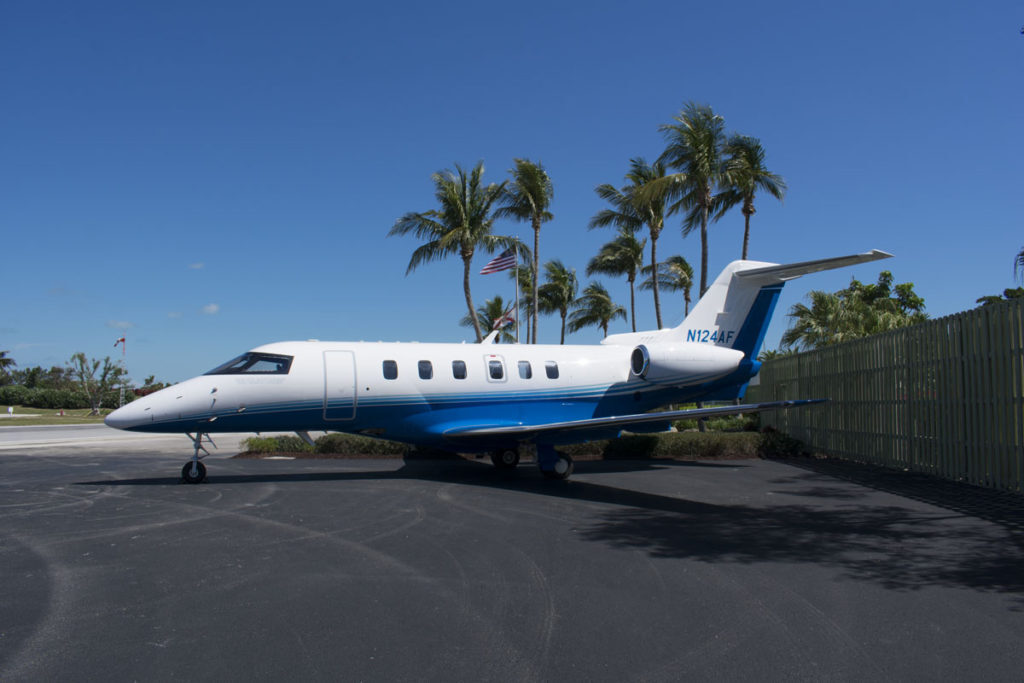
(896, 546)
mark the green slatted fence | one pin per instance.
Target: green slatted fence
(945, 397)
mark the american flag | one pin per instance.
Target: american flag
(505, 320)
(504, 261)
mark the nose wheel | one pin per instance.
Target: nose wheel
(194, 471)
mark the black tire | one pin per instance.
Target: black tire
(563, 468)
(188, 477)
(506, 459)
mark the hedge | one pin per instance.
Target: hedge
(676, 445)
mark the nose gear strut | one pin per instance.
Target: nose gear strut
(194, 471)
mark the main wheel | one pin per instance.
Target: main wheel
(189, 476)
(506, 459)
(562, 470)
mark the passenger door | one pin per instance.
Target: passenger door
(339, 385)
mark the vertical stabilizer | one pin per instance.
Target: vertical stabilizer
(737, 308)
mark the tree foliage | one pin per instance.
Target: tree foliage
(491, 312)
(1008, 294)
(461, 225)
(595, 308)
(637, 204)
(558, 292)
(623, 257)
(675, 274)
(694, 147)
(857, 311)
(95, 378)
(528, 198)
(745, 173)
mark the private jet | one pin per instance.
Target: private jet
(505, 400)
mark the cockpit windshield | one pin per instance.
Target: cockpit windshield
(255, 364)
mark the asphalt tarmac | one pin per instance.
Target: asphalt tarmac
(449, 570)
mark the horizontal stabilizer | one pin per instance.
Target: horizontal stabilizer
(790, 271)
(526, 431)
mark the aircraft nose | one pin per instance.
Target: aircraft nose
(128, 416)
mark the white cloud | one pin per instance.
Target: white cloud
(120, 324)
(196, 266)
(174, 314)
(211, 309)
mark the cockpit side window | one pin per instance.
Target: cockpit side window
(255, 364)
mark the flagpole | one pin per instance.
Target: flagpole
(517, 290)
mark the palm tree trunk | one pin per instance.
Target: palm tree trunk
(562, 340)
(746, 232)
(536, 271)
(469, 298)
(703, 250)
(654, 277)
(632, 301)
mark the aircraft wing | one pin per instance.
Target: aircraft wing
(527, 431)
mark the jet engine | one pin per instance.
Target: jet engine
(684, 361)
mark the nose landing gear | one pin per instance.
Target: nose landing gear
(194, 471)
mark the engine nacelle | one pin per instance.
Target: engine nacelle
(686, 362)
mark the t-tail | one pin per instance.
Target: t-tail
(736, 310)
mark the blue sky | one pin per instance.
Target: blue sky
(214, 176)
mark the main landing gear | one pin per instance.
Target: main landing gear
(552, 464)
(194, 471)
(506, 459)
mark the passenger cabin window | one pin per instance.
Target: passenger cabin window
(390, 369)
(525, 371)
(255, 364)
(495, 369)
(459, 369)
(426, 369)
(551, 367)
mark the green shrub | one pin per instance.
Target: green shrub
(680, 445)
(14, 395)
(350, 444)
(276, 444)
(776, 444)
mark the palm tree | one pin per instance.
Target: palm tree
(5, 363)
(622, 256)
(527, 198)
(695, 143)
(558, 293)
(824, 322)
(595, 307)
(460, 226)
(635, 206)
(491, 312)
(745, 174)
(675, 275)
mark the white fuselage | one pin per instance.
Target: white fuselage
(416, 392)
